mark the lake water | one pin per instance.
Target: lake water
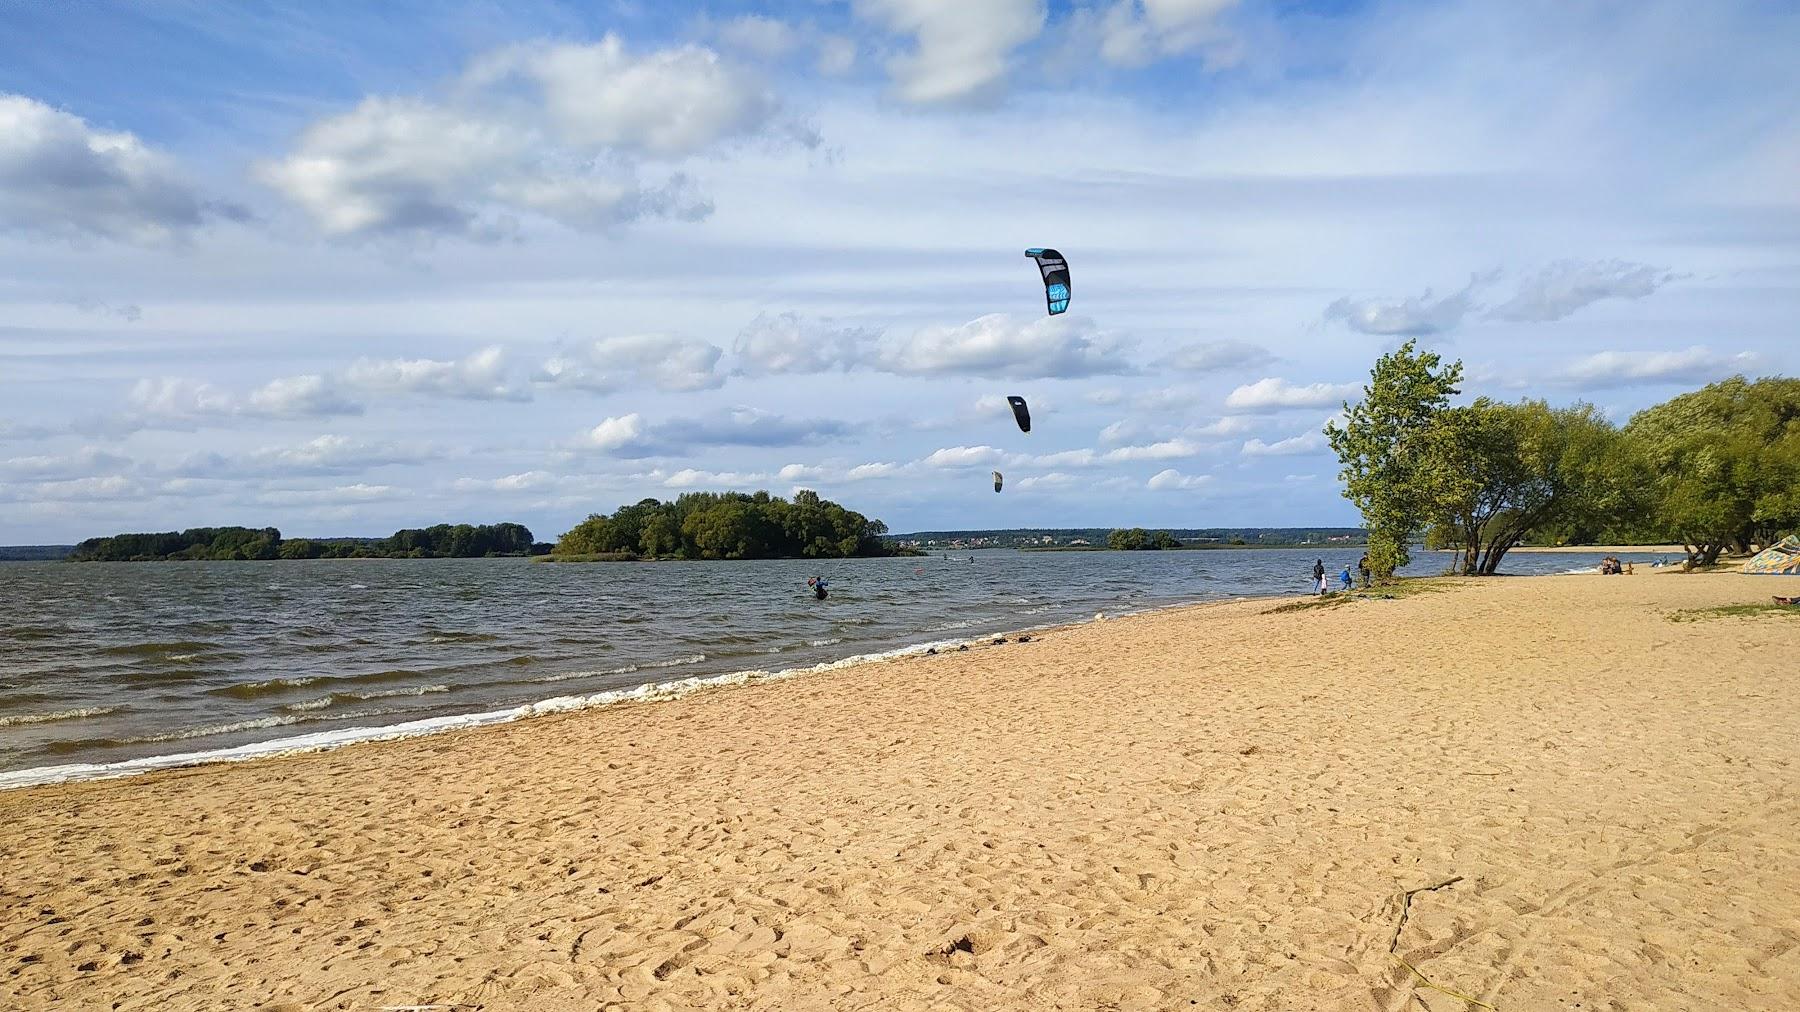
(110, 663)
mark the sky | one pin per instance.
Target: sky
(342, 268)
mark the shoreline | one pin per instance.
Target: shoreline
(1214, 805)
(643, 693)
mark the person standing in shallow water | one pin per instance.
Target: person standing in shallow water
(1318, 576)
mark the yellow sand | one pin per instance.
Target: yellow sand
(1212, 808)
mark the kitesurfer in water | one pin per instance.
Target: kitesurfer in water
(817, 584)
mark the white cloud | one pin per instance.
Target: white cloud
(614, 363)
(1168, 449)
(561, 130)
(173, 398)
(1563, 287)
(1170, 479)
(334, 454)
(1275, 394)
(480, 377)
(1229, 425)
(961, 50)
(600, 97)
(1311, 441)
(622, 434)
(293, 396)
(1052, 479)
(689, 477)
(1135, 32)
(1413, 317)
(768, 38)
(837, 56)
(1216, 356)
(1054, 347)
(524, 481)
(79, 464)
(61, 176)
(874, 469)
(1696, 365)
(631, 436)
(963, 456)
(744, 426)
(790, 343)
(358, 492)
(73, 490)
(1121, 431)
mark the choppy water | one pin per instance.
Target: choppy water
(106, 662)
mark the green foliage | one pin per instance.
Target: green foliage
(1723, 465)
(1500, 472)
(215, 543)
(1386, 554)
(244, 543)
(1385, 470)
(1136, 539)
(727, 525)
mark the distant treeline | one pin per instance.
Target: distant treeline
(227, 544)
(34, 553)
(727, 525)
(1034, 537)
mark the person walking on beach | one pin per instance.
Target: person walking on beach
(1319, 576)
(1362, 567)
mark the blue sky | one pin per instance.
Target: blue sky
(344, 267)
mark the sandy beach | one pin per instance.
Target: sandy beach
(1216, 807)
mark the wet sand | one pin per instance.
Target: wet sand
(1216, 807)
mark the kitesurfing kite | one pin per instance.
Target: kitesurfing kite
(1021, 413)
(1056, 278)
(997, 481)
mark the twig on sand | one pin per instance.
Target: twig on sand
(1394, 943)
(1502, 771)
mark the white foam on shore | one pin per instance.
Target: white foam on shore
(320, 741)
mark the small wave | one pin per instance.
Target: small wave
(359, 586)
(824, 642)
(256, 724)
(45, 718)
(627, 669)
(251, 690)
(356, 697)
(947, 626)
(156, 676)
(30, 632)
(184, 647)
(458, 636)
(272, 686)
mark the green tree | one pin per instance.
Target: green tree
(1129, 540)
(1724, 464)
(1499, 472)
(1385, 470)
